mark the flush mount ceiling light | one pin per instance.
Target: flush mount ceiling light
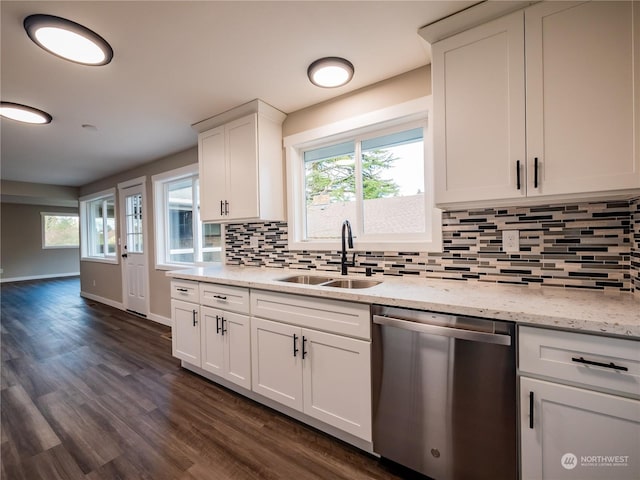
(68, 40)
(330, 72)
(24, 113)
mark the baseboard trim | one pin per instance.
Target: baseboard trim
(159, 319)
(154, 317)
(39, 277)
(106, 301)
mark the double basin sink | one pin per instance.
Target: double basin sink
(331, 282)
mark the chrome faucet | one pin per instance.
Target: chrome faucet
(346, 232)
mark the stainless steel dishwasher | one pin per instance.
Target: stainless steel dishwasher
(444, 394)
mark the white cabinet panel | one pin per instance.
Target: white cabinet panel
(226, 345)
(334, 316)
(571, 427)
(212, 342)
(580, 96)
(243, 186)
(479, 118)
(234, 299)
(213, 175)
(276, 366)
(185, 332)
(337, 381)
(185, 290)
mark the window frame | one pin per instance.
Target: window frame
(161, 183)
(43, 215)
(367, 125)
(85, 236)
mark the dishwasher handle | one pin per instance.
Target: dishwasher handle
(495, 338)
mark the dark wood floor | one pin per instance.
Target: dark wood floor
(90, 392)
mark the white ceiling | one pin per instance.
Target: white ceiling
(176, 63)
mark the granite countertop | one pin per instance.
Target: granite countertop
(588, 311)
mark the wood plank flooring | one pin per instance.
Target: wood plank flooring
(91, 392)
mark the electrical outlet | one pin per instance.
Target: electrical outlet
(253, 241)
(510, 241)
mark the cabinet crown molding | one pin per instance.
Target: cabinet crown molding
(470, 17)
(254, 106)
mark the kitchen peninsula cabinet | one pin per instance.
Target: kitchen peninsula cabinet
(241, 166)
(580, 406)
(541, 102)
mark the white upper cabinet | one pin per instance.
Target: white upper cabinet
(479, 117)
(576, 139)
(241, 165)
(580, 97)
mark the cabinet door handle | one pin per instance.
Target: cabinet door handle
(224, 330)
(221, 207)
(226, 207)
(611, 365)
(531, 410)
(518, 174)
(535, 172)
(195, 322)
(304, 351)
(217, 324)
(221, 297)
(295, 344)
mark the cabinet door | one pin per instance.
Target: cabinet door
(212, 165)
(212, 341)
(479, 117)
(572, 427)
(237, 354)
(242, 168)
(337, 381)
(185, 331)
(580, 96)
(276, 362)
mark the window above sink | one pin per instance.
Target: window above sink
(374, 170)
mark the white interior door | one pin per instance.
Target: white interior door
(134, 255)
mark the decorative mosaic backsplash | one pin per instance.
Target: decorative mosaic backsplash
(586, 245)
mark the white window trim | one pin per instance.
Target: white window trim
(161, 221)
(84, 234)
(57, 214)
(417, 109)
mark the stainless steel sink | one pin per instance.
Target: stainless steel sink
(352, 283)
(330, 282)
(306, 279)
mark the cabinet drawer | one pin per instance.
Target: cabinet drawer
(185, 290)
(601, 362)
(332, 316)
(233, 299)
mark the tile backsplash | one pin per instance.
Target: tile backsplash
(584, 245)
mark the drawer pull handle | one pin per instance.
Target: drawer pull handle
(182, 290)
(221, 297)
(531, 410)
(599, 364)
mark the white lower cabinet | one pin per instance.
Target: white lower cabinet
(580, 419)
(185, 332)
(577, 434)
(225, 345)
(326, 376)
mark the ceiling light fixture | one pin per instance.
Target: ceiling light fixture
(330, 72)
(24, 113)
(68, 40)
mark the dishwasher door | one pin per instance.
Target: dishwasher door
(444, 393)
